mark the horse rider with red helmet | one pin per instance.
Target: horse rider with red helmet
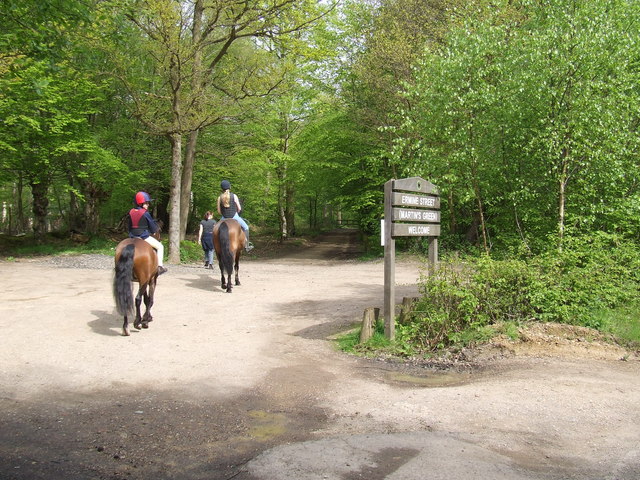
(142, 225)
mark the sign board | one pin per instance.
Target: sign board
(411, 215)
(411, 209)
(414, 184)
(414, 230)
(411, 200)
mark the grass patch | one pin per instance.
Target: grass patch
(54, 244)
(368, 256)
(350, 341)
(623, 323)
(26, 246)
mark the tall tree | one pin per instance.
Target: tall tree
(44, 100)
(203, 57)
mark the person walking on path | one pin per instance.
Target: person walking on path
(205, 238)
(142, 225)
(229, 207)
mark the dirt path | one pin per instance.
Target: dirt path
(248, 385)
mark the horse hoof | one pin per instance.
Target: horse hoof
(125, 333)
(137, 326)
(145, 325)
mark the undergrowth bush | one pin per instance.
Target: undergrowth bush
(590, 274)
(190, 252)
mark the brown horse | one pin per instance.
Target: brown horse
(228, 242)
(136, 261)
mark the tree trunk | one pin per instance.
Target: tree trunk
(75, 218)
(93, 197)
(21, 223)
(483, 226)
(313, 211)
(453, 222)
(196, 86)
(476, 190)
(290, 209)
(281, 172)
(174, 197)
(40, 207)
(283, 223)
(92, 215)
(187, 180)
(562, 196)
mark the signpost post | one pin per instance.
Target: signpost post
(411, 209)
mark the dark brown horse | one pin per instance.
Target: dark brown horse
(228, 242)
(136, 261)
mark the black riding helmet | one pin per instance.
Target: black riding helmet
(225, 185)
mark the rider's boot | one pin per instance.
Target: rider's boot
(161, 270)
(248, 246)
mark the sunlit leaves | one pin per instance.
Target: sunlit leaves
(537, 103)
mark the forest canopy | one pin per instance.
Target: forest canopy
(524, 113)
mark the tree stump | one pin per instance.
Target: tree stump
(407, 307)
(369, 319)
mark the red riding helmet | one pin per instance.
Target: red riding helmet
(141, 198)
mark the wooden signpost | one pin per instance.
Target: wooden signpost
(411, 209)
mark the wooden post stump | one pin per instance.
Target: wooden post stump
(406, 309)
(369, 319)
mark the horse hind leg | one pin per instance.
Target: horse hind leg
(146, 317)
(148, 302)
(125, 327)
(236, 269)
(223, 283)
(137, 323)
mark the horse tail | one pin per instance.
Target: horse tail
(122, 287)
(225, 247)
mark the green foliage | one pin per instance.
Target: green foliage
(499, 104)
(190, 252)
(528, 115)
(591, 274)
